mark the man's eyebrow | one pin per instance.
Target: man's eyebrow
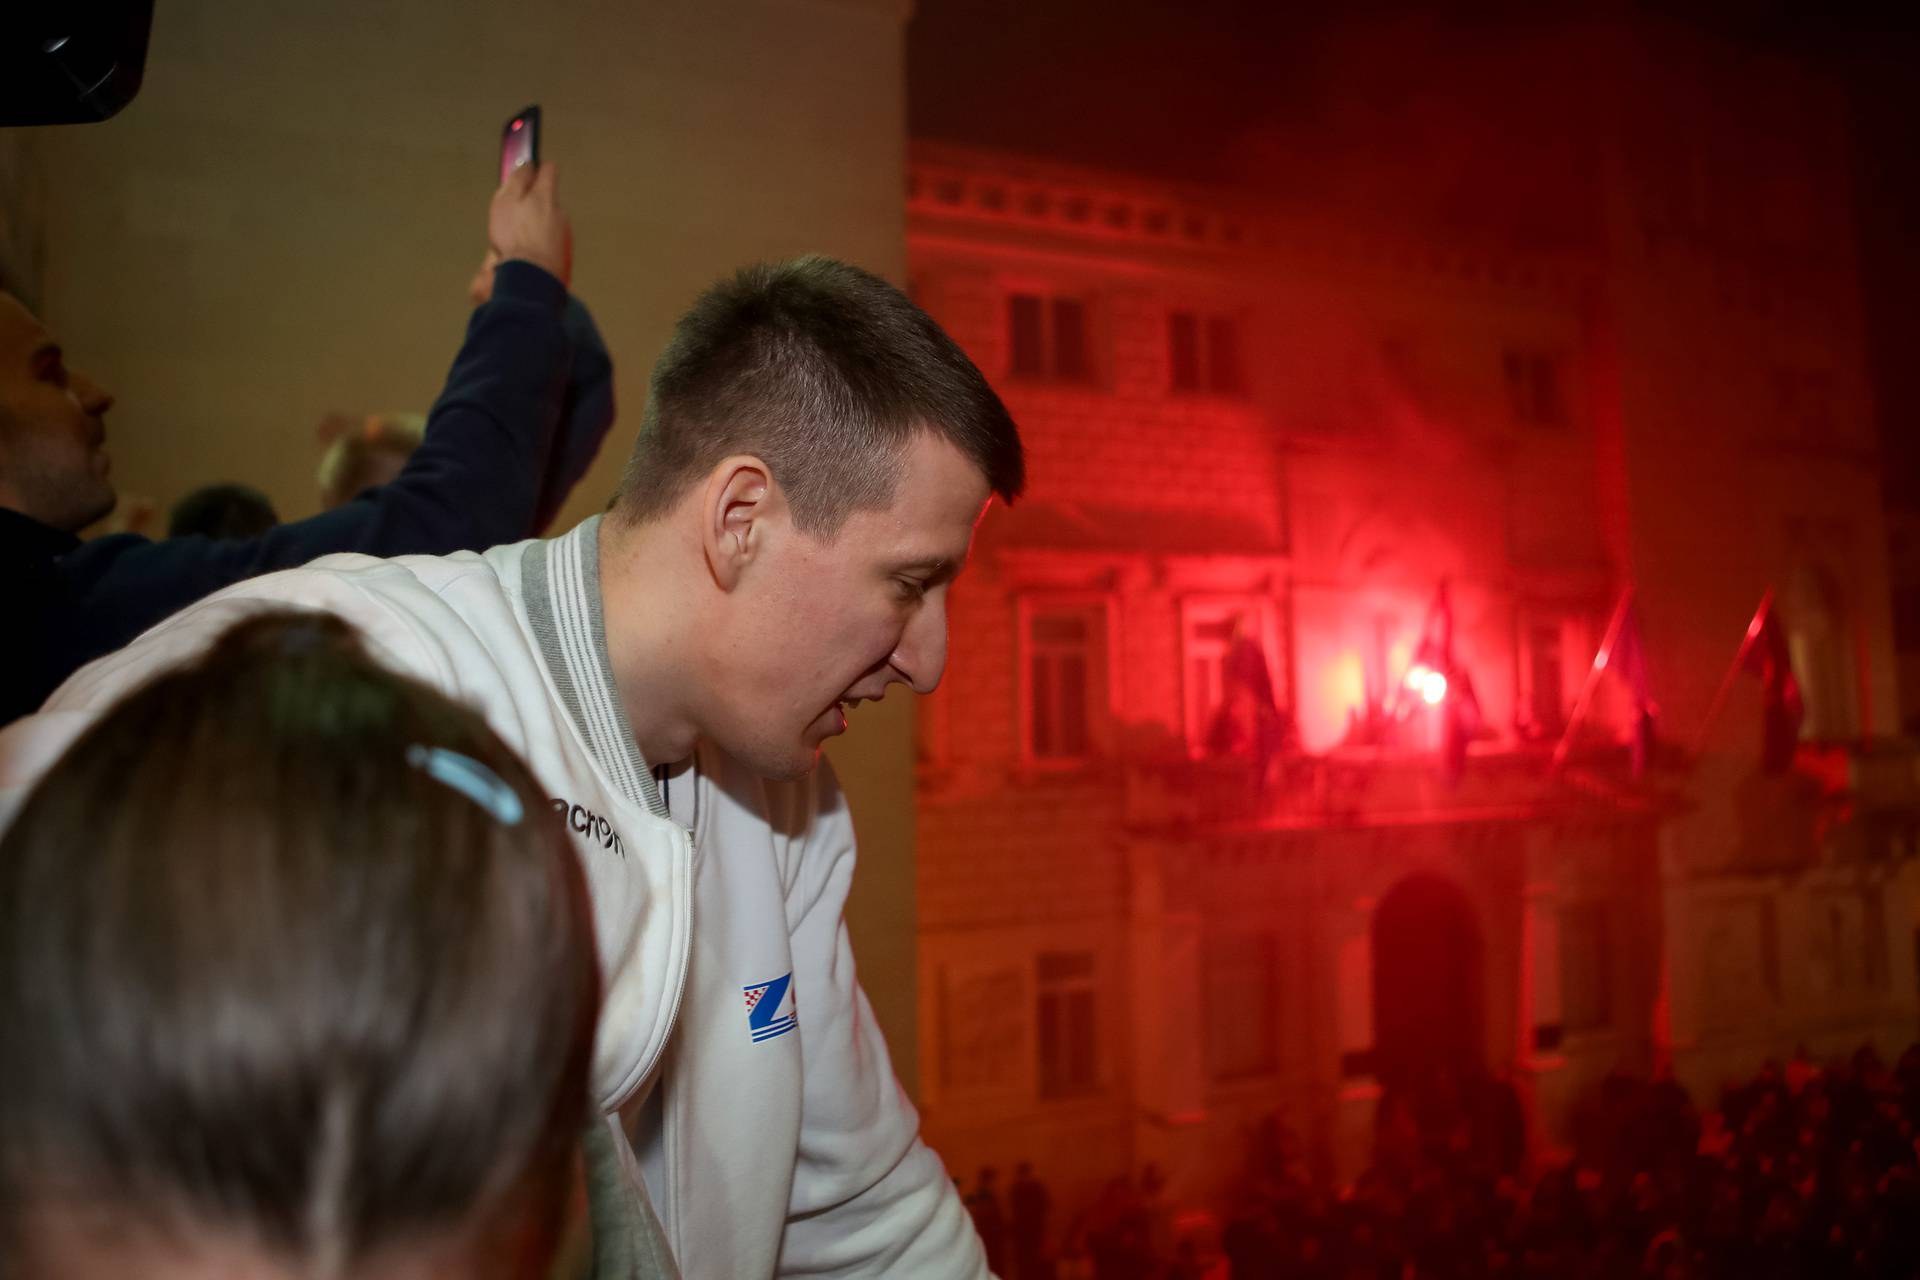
(46, 349)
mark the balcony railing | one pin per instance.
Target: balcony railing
(1366, 787)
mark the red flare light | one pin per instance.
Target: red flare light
(1431, 685)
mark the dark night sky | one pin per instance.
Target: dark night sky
(1243, 91)
(1126, 84)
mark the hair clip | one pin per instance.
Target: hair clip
(471, 779)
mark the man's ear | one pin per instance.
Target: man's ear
(736, 505)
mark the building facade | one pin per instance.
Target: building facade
(1241, 801)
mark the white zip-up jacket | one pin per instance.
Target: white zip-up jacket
(774, 1137)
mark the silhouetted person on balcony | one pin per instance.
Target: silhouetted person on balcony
(1248, 719)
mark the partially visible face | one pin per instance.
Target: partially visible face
(53, 457)
(817, 626)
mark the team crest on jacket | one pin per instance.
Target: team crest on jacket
(770, 1008)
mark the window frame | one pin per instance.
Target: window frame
(1067, 992)
(1577, 641)
(1049, 299)
(1599, 914)
(1521, 368)
(1268, 1063)
(1206, 321)
(1102, 675)
(1193, 613)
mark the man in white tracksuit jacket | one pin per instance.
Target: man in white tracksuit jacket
(814, 456)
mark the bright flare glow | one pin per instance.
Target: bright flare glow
(1431, 685)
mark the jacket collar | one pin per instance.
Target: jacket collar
(560, 580)
(26, 539)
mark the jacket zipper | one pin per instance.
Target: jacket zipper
(670, 1219)
(683, 902)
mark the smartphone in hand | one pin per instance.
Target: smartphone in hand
(520, 141)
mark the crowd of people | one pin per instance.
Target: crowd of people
(1804, 1172)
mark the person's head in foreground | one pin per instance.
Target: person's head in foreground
(53, 434)
(813, 458)
(297, 980)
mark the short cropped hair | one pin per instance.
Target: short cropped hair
(826, 373)
(222, 511)
(265, 972)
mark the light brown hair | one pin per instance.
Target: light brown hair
(263, 972)
(347, 467)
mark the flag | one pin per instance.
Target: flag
(1435, 649)
(1460, 723)
(1628, 660)
(1765, 655)
(1623, 653)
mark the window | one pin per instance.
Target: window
(1837, 943)
(1555, 645)
(1208, 628)
(1238, 994)
(1203, 353)
(1848, 942)
(1533, 388)
(1740, 945)
(1066, 1024)
(1546, 692)
(1874, 909)
(1065, 668)
(1819, 626)
(1047, 338)
(1586, 968)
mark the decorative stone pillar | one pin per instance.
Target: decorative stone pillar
(1349, 937)
(1540, 1067)
(1164, 1031)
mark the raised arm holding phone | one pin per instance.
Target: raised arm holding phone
(523, 411)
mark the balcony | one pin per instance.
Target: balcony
(1378, 787)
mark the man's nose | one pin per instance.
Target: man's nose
(93, 397)
(921, 656)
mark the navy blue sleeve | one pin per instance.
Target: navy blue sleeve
(476, 480)
(585, 417)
